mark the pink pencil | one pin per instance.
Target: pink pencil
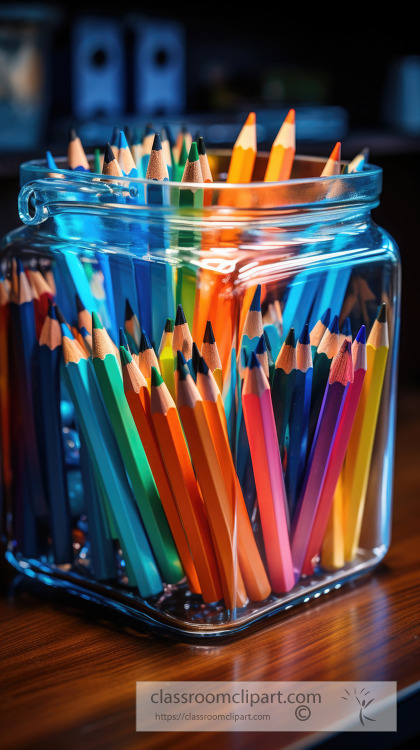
(341, 375)
(338, 453)
(265, 455)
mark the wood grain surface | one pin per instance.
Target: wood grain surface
(67, 679)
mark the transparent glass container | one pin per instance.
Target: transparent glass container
(308, 250)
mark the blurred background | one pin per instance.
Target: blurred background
(350, 76)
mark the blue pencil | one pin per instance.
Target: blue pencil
(299, 419)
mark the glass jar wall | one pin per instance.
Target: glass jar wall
(198, 391)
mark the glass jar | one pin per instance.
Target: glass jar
(286, 489)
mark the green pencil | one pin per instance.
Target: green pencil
(133, 455)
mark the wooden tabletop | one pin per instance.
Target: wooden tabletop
(68, 680)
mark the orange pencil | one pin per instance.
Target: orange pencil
(250, 563)
(333, 165)
(280, 161)
(138, 397)
(212, 484)
(244, 153)
(175, 454)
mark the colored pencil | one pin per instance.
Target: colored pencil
(147, 357)
(132, 325)
(193, 197)
(132, 451)
(115, 141)
(282, 154)
(338, 452)
(244, 153)
(339, 380)
(283, 386)
(182, 339)
(204, 161)
(83, 389)
(76, 154)
(210, 353)
(212, 485)
(319, 329)
(23, 331)
(167, 335)
(157, 170)
(49, 360)
(147, 145)
(137, 394)
(265, 454)
(325, 353)
(177, 460)
(250, 563)
(333, 166)
(84, 317)
(299, 419)
(110, 166)
(125, 157)
(359, 453)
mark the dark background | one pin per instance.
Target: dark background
(267, 59)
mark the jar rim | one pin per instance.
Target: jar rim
(305, 193)
(45, 170)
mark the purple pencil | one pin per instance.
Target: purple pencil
(341, 375)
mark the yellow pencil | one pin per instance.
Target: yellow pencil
(359, 453)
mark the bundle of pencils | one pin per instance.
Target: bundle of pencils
(226, 438)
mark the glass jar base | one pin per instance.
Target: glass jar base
(180, 614)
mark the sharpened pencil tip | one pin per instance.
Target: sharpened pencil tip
(180, 318)
(255, 305)
(208, 334)
(169, 325)
(122, 141)
(128, 310)
(334, 325)
(51, 310)
(96, 321)
(109, 154)
(157, 145)
(144, 342)
(72, 134)
(202, 366)
(325, 319)
(304, 336)
(381, 316)
(123, 338)
(290, 117)
(251, 119)
(361, 336)
(201, 146)
(261, 347)
(125, 355)
(181, 365)
(267, 341)
(65, 331)
(253, 361)
(60, 317)
(156, 377)
(290, 338)
(193, 155)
